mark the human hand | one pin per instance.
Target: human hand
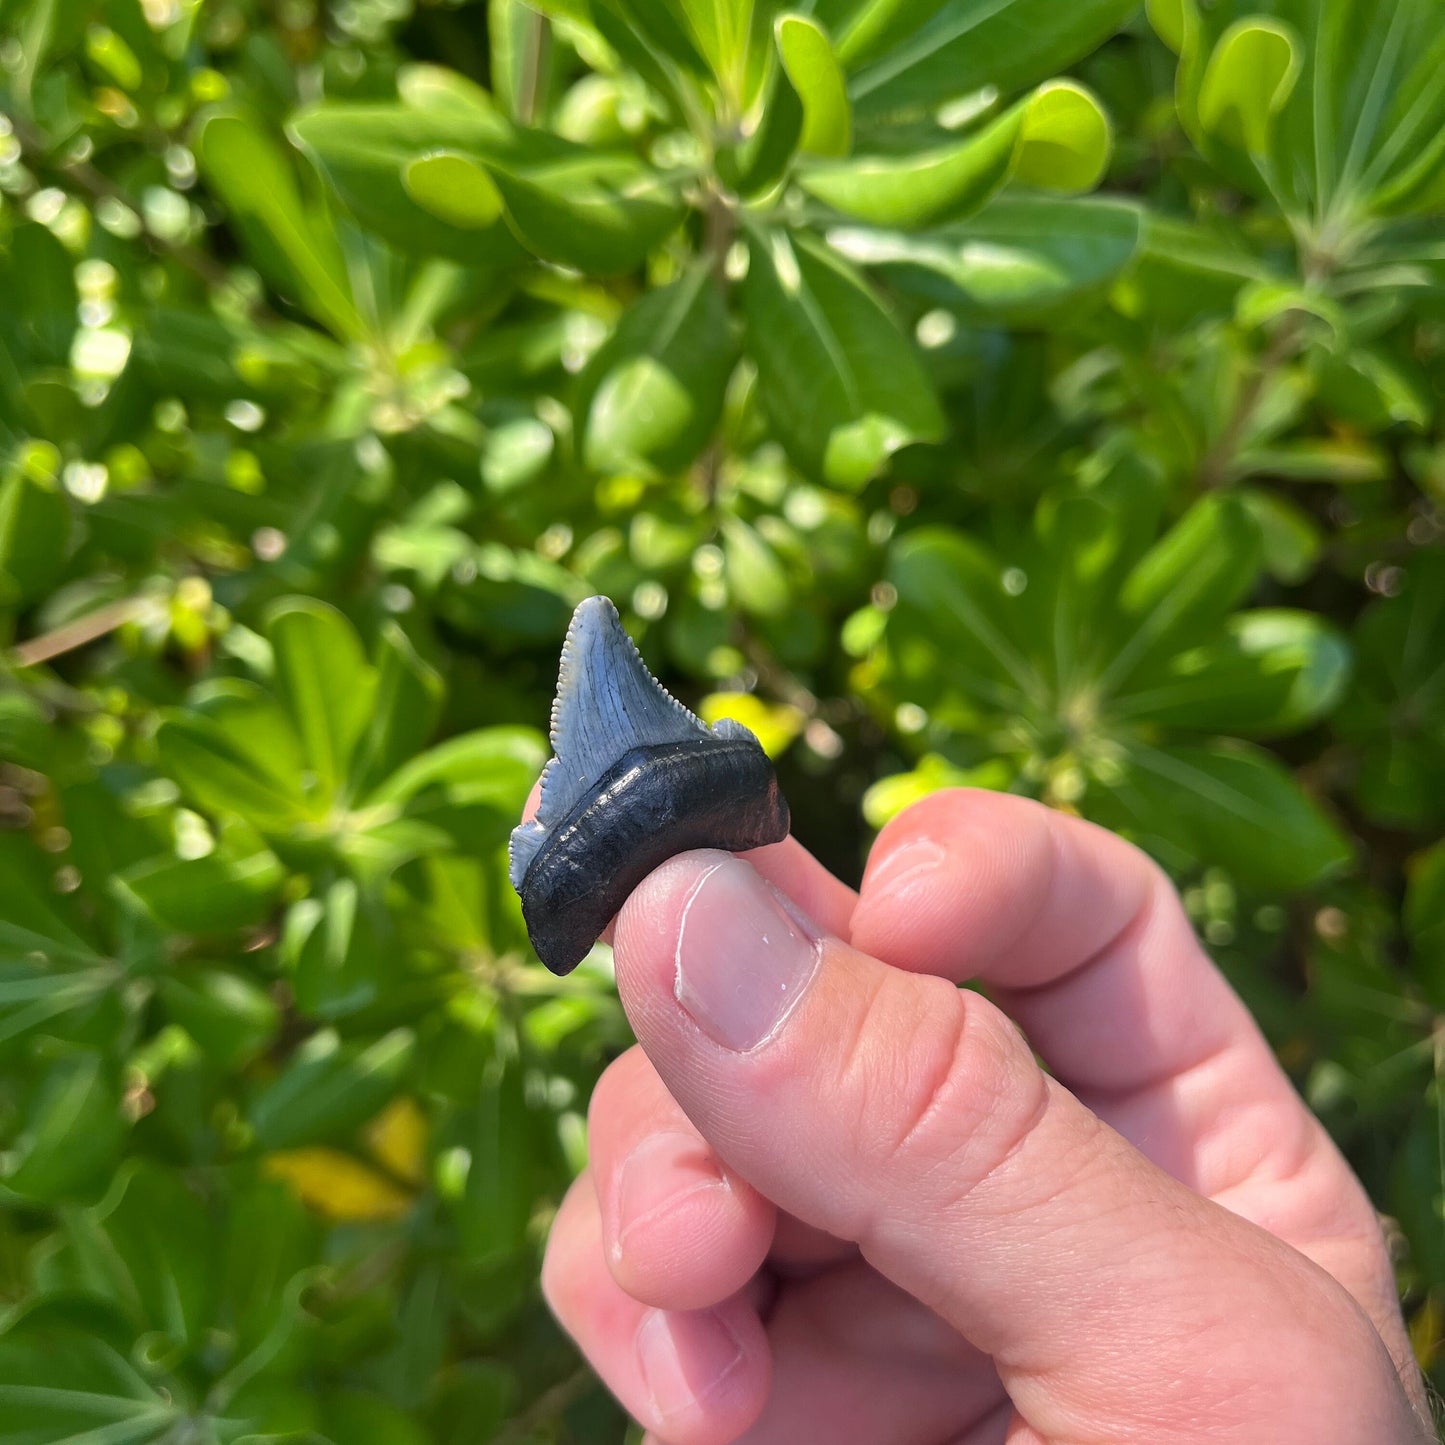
(833, 1198)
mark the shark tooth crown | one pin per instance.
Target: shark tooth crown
(634, 779)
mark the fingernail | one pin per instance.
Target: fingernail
(902, 865)
(743, 959)
(684, 1356)
(661, 1171)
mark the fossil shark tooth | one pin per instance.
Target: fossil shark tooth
(635, 778)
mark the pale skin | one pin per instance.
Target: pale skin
(876, 1220)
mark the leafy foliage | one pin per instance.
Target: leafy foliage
(344, 349)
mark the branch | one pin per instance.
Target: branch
(83, 630)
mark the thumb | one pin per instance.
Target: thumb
(897, 1111)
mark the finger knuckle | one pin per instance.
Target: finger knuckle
(953, 1092)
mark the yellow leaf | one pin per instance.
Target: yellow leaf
(397, 1138)
(336, 1185)
(890, 796)
(774, 724)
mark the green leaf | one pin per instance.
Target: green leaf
(721, 30)
(476, 1396)
(816, 76)
(72, 1135)
(1020, 256)
(1186, 270)
(1290, 537)
(521, 56)
(448, 901)
(270, 1249)
(1056, 139)
(365, 150)
(755, 576)
(161, 1240)
(923, 54)
(34, 535)
(33, 918)
(516, 596)
(1234, 806)
(404, 712)
(336, 949)
(598, 213)
(63, 1380)
(1186, 584)
(50, 28)
(1309, 460)
(324, 683)
(954, 618)
(1066, 140)
(759, 162)
(251, 175)
(914, 189)
(1249, 78)
(1395, 716)
(41, 320)
(844, 387)
(328, 1089)
(1358, 131)
(25, 734)
(656, 40)
(516, 453)
(443, 94)
(454, 189)
(506, 1132)
(1374, 391)
(37, 999)
(495, 766)
(233, 752)
(228, 1014)
(1272, 672)
(217, 894)
(364, 1418)
(1416, 1195)
(1175, 22)
(1425, 921)
(652, 395)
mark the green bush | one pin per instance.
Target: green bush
(344, 349)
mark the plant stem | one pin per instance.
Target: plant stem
(535, 58)
(83, 630)
(1215, 466)
(547, 1407)
(721, 230)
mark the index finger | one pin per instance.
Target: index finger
(1083, 940)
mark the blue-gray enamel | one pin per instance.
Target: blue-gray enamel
(635, 779)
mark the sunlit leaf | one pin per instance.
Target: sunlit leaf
(325, 684)
(250, 172)
(1234, 806)
(816, 76)
(653, 394)
(454, 189)
(1019, 254)
(1247, 81)
(843, 385)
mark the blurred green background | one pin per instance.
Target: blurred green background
(1035, 396)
